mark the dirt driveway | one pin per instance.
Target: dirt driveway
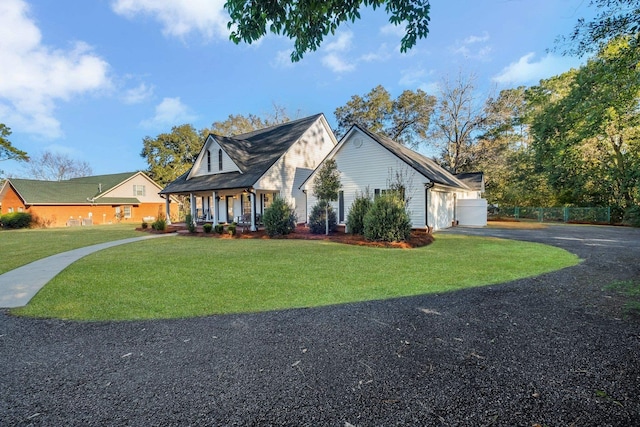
(552, 350)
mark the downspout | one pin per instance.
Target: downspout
(306, 203)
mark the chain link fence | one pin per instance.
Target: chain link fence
(577, 215)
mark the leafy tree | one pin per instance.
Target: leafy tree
(405, 119)
(50, 166)
(7, 150)
(458, 119)
(586, 129)
(617, 18)
(239, 124)
(169, 155)
(308, 21)
(326, 185)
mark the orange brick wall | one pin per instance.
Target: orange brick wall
(57, 216)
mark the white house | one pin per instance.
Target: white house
(374, 162)
(237, 177)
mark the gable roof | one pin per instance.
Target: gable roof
(74, 191)
(422, 164)
(253, 152)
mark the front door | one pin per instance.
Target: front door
(229, 209)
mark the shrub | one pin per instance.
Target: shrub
(231, 228)
(159, 224)
(191, 225)
(317, 222)
(387, 220)
(145, 225)
(16, 220)
(632, 216)
(218, 228)
(359, 209)
(207, 227)
(279, 218)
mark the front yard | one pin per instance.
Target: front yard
(185, 277)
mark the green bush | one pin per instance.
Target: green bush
(317, 222)
(232, 228)
(387, 220)
(16, 220)
(359, 209)
(191, 225)
(207, 228)
(145, 225)
(632, 216)
(279, 218)
(159, 224)
(218, 228)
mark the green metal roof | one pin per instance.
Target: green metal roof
(73, 191)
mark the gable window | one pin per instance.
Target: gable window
(208, 161)
(139, 190)
(219, 160)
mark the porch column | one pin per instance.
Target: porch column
(252, 199)
(167, 209)
(192, 208)
(216, 208)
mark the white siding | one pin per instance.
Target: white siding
(125, 189)
(290, 171)
(200, 166)
(364, 163)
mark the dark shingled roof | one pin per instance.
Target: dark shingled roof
(417, 161)
(71, 191)
(254, 153)
(473, 180)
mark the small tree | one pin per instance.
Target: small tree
(387, 220)
(279, 218)
(326, 186)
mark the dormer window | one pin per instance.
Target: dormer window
(208, 161)
(219, 160)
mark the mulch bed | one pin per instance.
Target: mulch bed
(417, 239)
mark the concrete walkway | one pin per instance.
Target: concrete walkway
(18, 286)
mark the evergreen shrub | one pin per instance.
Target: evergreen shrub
(279, 218)
(16, 220)
(387, 220)
(317, 222)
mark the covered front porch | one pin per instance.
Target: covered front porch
(244, 206)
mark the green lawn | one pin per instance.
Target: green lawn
(20, 247)
(185, 276)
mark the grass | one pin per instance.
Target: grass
(630, 290)
(186, 277)
(20, 247)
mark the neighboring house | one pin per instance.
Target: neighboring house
(372, 162)
(236, 178)
(103, 199)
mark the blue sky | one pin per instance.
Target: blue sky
(91, 79)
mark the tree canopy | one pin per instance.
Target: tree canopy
(307, 22)
(7, 150)
(49, 166)
(405, 119)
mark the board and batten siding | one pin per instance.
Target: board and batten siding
(292, 169)
(212, 146)
(363, 163)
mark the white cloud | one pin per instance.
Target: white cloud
(525, 70)
(138, 94)
(34, 77)
(393, 30)
(474, 47)
(282, 59)
(335, 59)
(418, 78)
(179, 18)
(170, 112)
(382, 54)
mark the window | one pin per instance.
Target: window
(20, 209)
(246, 204)
(219, 160)
(127, 211)
(10, 210)
(139, 190)
(341, 207)
(208, 161)
(376, 193)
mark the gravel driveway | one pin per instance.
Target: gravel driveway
(553, 350)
